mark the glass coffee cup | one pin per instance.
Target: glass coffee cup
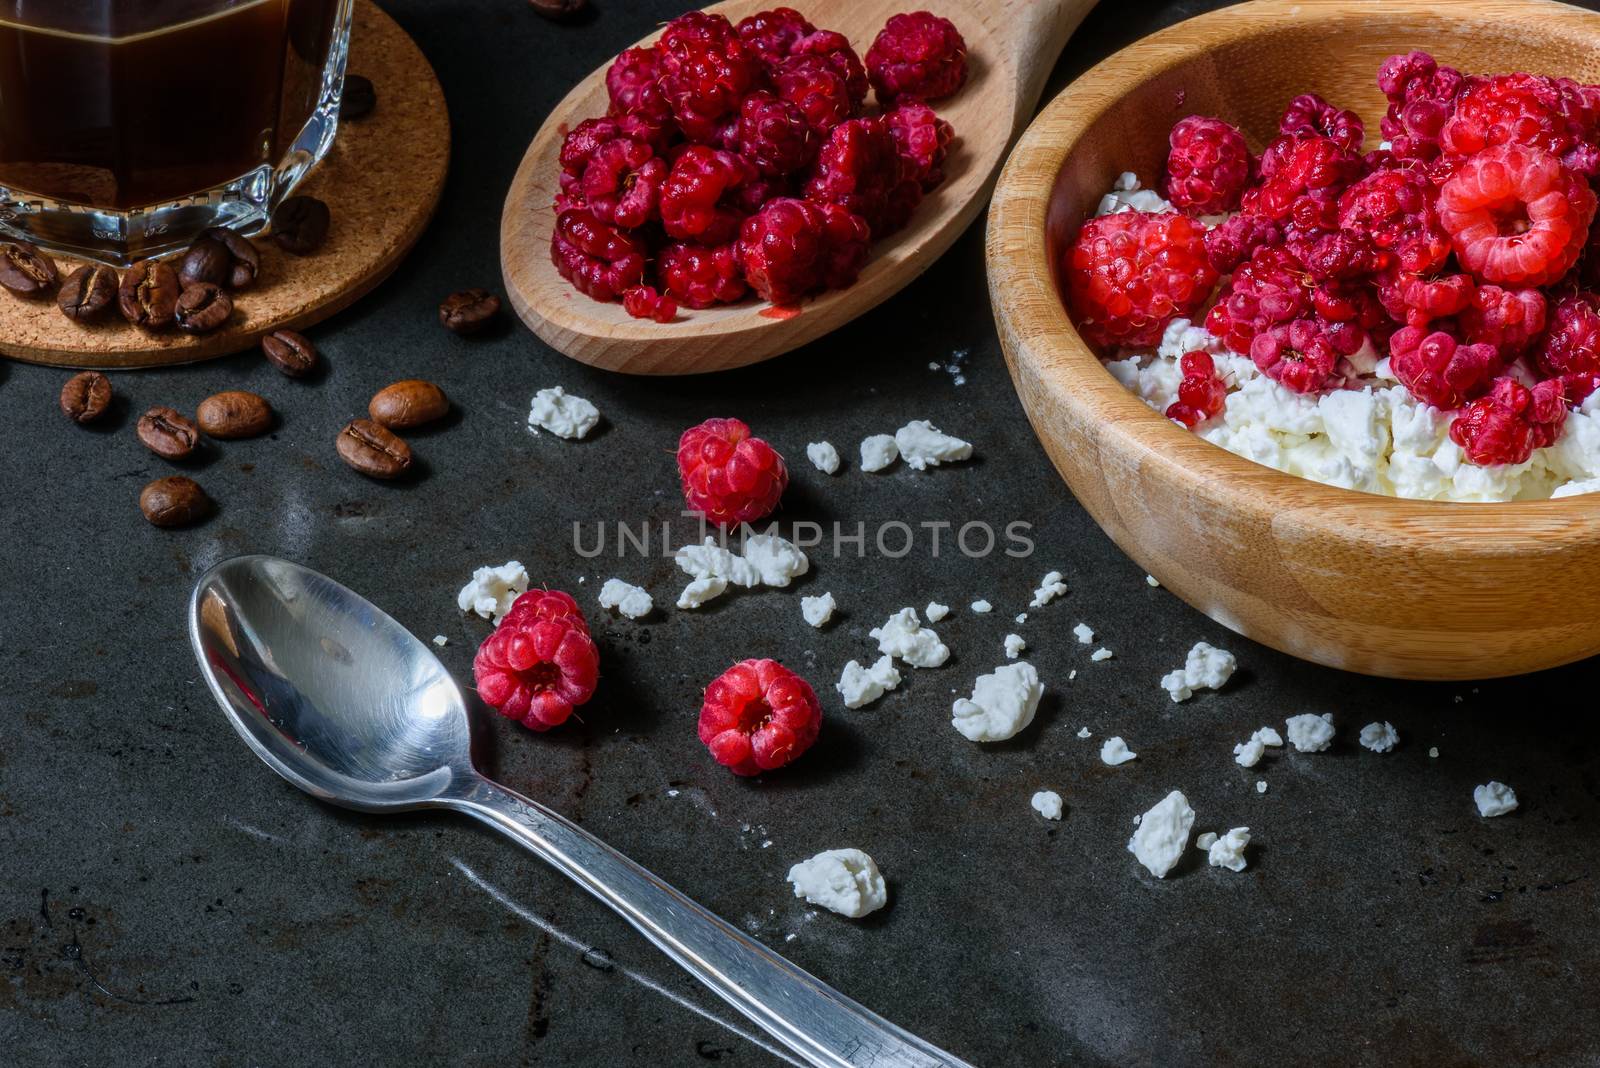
(129, 126)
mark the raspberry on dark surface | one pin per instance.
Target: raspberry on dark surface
(1440, 370)
(1208, 166)
(758, 716)
(1516, 216)
(598, 259)
(540, 663)
(701, 276)
(728, 476)
(919, 55)
(1128, 275)
(1510, 421)
(697, 197)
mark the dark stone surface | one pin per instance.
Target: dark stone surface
(165, 900)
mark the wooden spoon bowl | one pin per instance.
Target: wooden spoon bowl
(1408, 589)
(1011, 45)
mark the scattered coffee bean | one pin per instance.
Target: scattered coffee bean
(148, 295)
(167, 433)
(469, 311)
(174, 501)
(408, 404)
(202, 308)
(300, 225)
(372, 450)
(559, 10)
(234, 414)
(86, 396)
(359, 97)
(26, 271)
(290, 352)
(244, 260)
(87, 293)
(206, 261)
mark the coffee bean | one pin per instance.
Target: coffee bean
(372, 450)
(174, 501)
(167, 433)
(234, 414)
(86, 396)
(26, 271)
(87, 293)
(407, 404)
(359, 97)
(244, 259)
(291, 353)
(559, 10)
(469, 311)
(148, 295)
(202, 308)
(300, 225)
(206, 261)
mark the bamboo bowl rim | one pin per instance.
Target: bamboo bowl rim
(1023, 285)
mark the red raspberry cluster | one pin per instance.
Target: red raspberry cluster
(1463, 249)
(739, 158)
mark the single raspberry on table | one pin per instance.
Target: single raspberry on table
(1310, 114)
(697, 202)
(1128, 275)
(621, 183)
(1304, 355)
(1440, 370)
(1522, 109)
(919, 55)
(1208, 166)
(1397, 210)
(1516, 216)
(923, 140)
(1510, 421)
(1422, 96)
(645, 302)
(728, 476)
(1271, 288)
(860, 169)
(792, 247)
(704, 70)
(540, 662)
(1419, 299)
(817, 88)
(1201, 394)
(701, 276)
(1508, 319)
(1571, 345)
(758, 716)
(598, 259)
(774, 135)
(1236, 239)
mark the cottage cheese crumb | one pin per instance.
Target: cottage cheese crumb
(440, 640)
(1115, 751)
(923, 445)
(777, 560)
(1226, 850)
(903, 635)
(818, 610)
(767, 560)
(1433, 753)
(1084, 634)
(878, 452)
(1248, 754)
(1494, 799)
(846, 881)
(1205, 668)
(1050, 587)
(1261, 786)
(628, 599)
(1152, 582)
(493, 590)
(1001, 705)
(1047, 803)
(1022, 617)
(863, 685)
(563, 415)
(936, 611)
(1310, 733)
(1379, 737)
(823, 456)
(1101, 654)
(1269, 737)
(1163, 834)
(982, 607)
(1083, 732)
(1015, 645)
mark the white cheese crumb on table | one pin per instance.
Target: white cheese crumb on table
(1494, 799)
(1001, 705)
(1022, 617)
(846, 881)
(1050, 587)
(903, 635)
(863, 685)
(1433, 753)
(440, 640)
(1083, 732)
(767, 560)
(823, 456)
(982, 607)
(1015, 645)
(1311, 733)
(493, 590)
(1047, 803)
(1152, 582)
(1101, 654)
(1226, 850)
(818, 610)
(1249, 753)
(1261, 786)
(923, 445)
(1084, 633)
(1379, 737)
(936, 611)
(878, 452)
(628, 599)
(1163, 834)
(1115, 751)
(563, 415)
(1205, 668)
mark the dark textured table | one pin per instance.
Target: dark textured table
(166, 900)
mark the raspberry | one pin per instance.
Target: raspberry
(1418, 300)
(1520, 109)
(1572, 344)
(860, 169)
(1201, 394)
(1505, 426)
(1333, 255)
(728, 476)
(701, 276)
(540, 663)
(1268, 290)
(695, 198)
(1397, 210)
(1356, 303)
(817, 88)
(774, 135)
(923, 140)
(1516, 215)
(791, 247)
(1130, 274)
(1438, 369)
(1208, 166)
(598, 259)
(643, 302)
(1301, 179)
(1236, 239)
(631, 80)
(773, 35)
(621, 183)
(1422, 96)
(1304, 355)
(704, 70)
(758, 716)
(1310, 114)
(1508, 319)
(919, 55)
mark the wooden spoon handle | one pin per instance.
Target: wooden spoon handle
(1039, 30)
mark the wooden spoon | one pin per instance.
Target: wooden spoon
(1011, 46)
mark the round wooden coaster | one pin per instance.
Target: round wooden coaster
(381, 181)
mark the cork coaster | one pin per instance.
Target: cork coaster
(381, 180)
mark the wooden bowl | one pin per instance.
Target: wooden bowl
(1407, 589)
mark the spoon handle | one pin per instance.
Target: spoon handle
(820, 1025)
